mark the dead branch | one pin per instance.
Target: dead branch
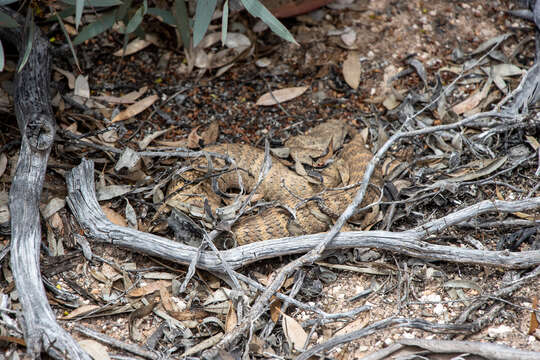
(37, 126)
(134, 349)
(487, 350)
(83, 203)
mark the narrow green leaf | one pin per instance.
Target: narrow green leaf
(182, 21)
(96, 3)
(225, 22)
(101, 24)
(70, 44)
(135, 21)
(79, 7)
(30, 28)
(7, 21)
(203, 16)
(122, 11)
(68, 11)
(255, 8)
(2, 57)
(165, 15)
(7, 2)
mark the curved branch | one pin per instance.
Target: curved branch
(36, 122)
(83, 203)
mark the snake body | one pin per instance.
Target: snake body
(314, 205)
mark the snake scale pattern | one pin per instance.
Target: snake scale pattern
(315, 205)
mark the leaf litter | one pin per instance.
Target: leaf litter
(225, 111)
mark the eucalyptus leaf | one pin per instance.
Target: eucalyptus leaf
(95, 3)
(203, 16)
(70, 43)
(102, 24)
(135, 21)
(255, 8)
(182, 21)
(165, 15)
(225, 22)
(79, 7)
(31, 28)
(2, 57)
(7, 21)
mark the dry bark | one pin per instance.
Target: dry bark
(37, 126)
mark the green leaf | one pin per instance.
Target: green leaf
(30, 29)
(203, 16)
(70, 44)
(68, 11)
(165, 15)
(101, 24)
(255, 8)
(2, 57)
(7, 21)
(7, 2)
(79, 7)
(225, 22)
(95, 3)
(135, 21)
(182, 21)
(123, 11)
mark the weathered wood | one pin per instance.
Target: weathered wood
(83, 203)
(36, 122)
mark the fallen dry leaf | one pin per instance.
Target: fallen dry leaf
(133, 46)
(94, 349)
(128, 98)
(472, 101)
(82, 88)
(275, 309)
(533, 325)
(136, 108)
(280, 96)
(69, 76)
(211, 134)
(351, 69)
(81, 310)
(193, 139)
(148, 288)
(232, 319)
(296, 336)
(114, 217)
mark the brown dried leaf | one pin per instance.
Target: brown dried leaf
(189, 315)
(275, 309)
(148, 288)
(69, 76)
(232, 319)
(357, 324)
(352, 69)
(472, 101)
(296, 336)
(533, 325)
(133, 47)
(211, 134)
(81, 310)
(129, 98)
(94, 349)
(166, 300)
(193, 139)
(280, 96)
(114, 217)
(136, 108)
